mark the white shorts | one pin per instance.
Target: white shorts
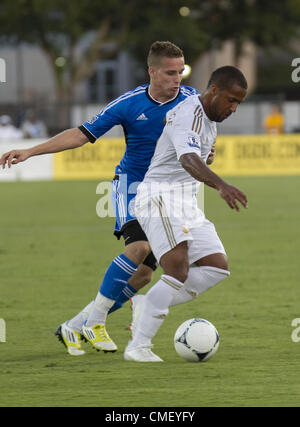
(165, 231)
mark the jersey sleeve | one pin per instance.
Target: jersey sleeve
(193, 90)
(109, 117)
(185, 132)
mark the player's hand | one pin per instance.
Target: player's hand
(232, 195)
(13, 157)
(212, 155)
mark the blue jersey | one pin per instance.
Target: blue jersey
(142, 119)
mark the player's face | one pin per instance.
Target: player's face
(225, 102)
(166, 77)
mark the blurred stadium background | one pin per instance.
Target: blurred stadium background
(65, 61)
(65, 64)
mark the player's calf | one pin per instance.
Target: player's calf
(217, 260)
(137, 251)
(141, 277)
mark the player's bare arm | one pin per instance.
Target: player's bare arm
(69, 139)
(195, 166)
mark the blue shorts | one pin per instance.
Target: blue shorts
(123, 199)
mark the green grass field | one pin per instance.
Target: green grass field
(53, 253)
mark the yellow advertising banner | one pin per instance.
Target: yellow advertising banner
(238, 155)
(91, 161)
(257, 155)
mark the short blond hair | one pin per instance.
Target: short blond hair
(163, 49)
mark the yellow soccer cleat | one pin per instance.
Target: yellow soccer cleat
(71, 339)
(99, 338)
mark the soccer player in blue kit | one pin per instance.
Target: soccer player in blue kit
(141, 113)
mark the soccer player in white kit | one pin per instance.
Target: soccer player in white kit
(184, 242)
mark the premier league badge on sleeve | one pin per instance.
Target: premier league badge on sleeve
(194, 142)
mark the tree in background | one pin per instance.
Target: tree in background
(58, 27)
(102, 28)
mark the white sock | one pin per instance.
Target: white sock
(77, 321)
(155, 309)
(182, 296)
(99, 310)
(199, 280)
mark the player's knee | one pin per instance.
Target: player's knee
(143, 249)
(222, 262)
(182, 275)
(222, 265)
(178, 271)
(217, 260)
(137, 251)
(176, 262)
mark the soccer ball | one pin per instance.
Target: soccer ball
(196, 340)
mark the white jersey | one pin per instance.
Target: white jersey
(168, 189)
(166, 204)
(187, 130)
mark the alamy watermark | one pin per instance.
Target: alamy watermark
(2, 330)
(296, 72)
(162, 199)
(2, 70)
(296, 332)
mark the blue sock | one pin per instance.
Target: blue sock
(127, 293)
(117, 276)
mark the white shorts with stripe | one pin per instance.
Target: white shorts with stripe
(165, 228)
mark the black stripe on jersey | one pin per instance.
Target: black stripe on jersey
(195, 117)
(197, 123)
(88, 134)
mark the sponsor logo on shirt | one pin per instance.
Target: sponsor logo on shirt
(142, 117)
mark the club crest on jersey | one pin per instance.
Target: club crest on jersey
(193, 142)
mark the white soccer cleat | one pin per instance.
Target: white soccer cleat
(141, 353)
(71, 339)
(98, 337)
(136, 306)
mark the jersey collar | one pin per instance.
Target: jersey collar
(158, 102)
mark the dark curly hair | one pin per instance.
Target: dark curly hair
(225, 77)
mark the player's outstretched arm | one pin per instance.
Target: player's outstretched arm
(194, 165)
(71, 138)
